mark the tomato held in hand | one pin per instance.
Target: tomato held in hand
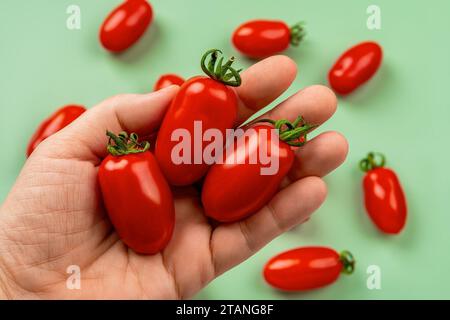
(245, 180)
(383, 195)
(262, 38)
(125, 25)
(355, 67)
(166, 80)
(307, 268)
(58, 120)
(136, 195)
(202, 103)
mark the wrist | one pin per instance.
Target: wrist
(5, 287)
(4, 291)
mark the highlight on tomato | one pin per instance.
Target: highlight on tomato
(58, 120)
(136, 195)
(209, 101)
(166, 80)
(239, 186)
(263, 38)
(307, 268)
(125, 25)
(355, 67)
(384, 198)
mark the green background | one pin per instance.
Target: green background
(401, 112)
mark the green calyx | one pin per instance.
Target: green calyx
(298, 33)
(372, 161)
(125, 144)
(293, 133)
(217, 70)
(348, 262)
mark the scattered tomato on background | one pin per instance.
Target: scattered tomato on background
(355, 67)
(58, 120)
(206, 100)
(307, 268)
(384, 198)
(263, 38)
(125, 25)
(166, 80)
(136, 195)
(233, 190)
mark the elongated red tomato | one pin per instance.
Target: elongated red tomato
(383, 195)
(125, 25)
(251, 170)
(262, 38)
(307, 268)
(201, 104)
(167, 80)
(355, 67)
(58, 120)
(136, 195)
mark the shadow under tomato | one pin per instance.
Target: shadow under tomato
(141, 48)
(374, 89)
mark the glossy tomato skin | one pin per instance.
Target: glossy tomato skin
(199, 99)
(125, 25)
(385, 200)
(261, 38)
(303, 268)
(355, 67)
(138, 200)
(58, 120)
(234, 190)
(166, 80)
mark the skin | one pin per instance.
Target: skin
(53, 216)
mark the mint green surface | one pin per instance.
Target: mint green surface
(402, 112)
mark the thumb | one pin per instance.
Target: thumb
(85, 138)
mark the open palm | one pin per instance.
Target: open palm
(54, 217)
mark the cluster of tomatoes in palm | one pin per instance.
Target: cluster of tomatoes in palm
(145, 219)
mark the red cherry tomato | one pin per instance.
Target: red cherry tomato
(125, 25)
(235, 189)
(355, 67)
(136, 195)
(262, 38)
(167, 80)
(58, 120)
(210, 102)
(307, 268)
(383, 195)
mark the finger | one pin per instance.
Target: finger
(319, 156)
(85, 138)
(133, 112)
(264, 82)
(315, 103)
(233, 243)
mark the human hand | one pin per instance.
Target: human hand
(54, 217)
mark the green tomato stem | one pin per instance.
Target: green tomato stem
(372, 161)
(217, 70)
(298, 33)
(290, 132)
(348, 262)
(125, 144)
